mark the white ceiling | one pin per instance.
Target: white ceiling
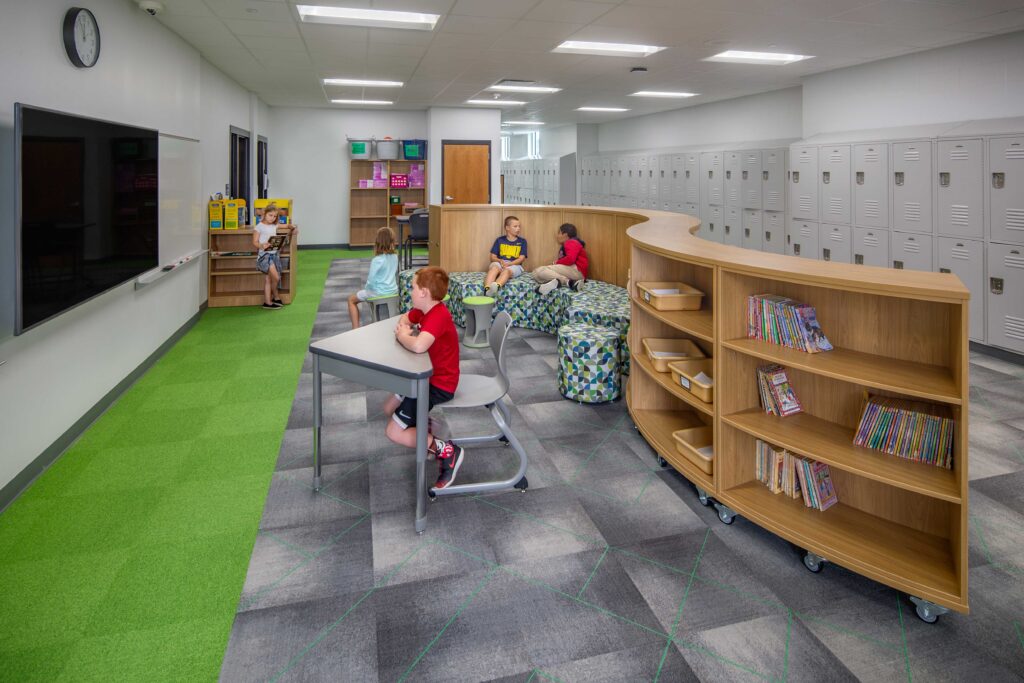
(263, 45)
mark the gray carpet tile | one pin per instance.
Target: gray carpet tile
(606, 569)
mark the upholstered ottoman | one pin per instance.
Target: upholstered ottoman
(588, 363)
(604, 305)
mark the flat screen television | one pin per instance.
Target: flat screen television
(86, 208)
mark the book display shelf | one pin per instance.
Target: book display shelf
(896, 333)
(370, 207)
(234, 280)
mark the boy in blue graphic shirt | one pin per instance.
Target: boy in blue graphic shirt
(507, 256)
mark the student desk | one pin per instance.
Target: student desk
(371, 355)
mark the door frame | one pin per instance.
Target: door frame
(490, 192)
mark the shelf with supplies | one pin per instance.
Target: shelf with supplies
(371, 195)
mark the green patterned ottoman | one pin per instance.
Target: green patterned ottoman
(588, 363)
(604, 305)
(460, 286)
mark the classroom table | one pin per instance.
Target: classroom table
(371, 355)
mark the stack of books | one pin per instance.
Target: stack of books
(777, 394)
(780, 320)
(796, 477)
(913, 430)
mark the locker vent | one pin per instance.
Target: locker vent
(911, 211)
(871, 155)
(752, 196)
(1015, 153)
(835, 205)
(871, 208)
(773, 197)
(1014, 327)
(835, 157)
(1015, 219)
(959, 214)
(836, 236)
(870, 240)
(912, 154)
(959, 155)
(804, 202)
(960, 253)
(805, 157)
(1014, 262)
(911, 247)
(806, 231)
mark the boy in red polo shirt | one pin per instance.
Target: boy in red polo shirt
(438, 337)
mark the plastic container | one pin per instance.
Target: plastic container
(387, 149)
(400, 180)
(696, 445)
(414, 150)
(684, 373)
(665, 351)
(360, 149)
(670, 296)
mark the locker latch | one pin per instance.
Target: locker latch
(860, 177)
(998, 180)
(764, 176)
(728, 175)
(796, 249)
(826, 177)
(768, 235)
(663, 173)
(743, 175)
(687, 174)
(711, 174)
(826, 254)
(944, 179)
(728, 228)
(899, 178)
(788, 238)
(996, 285)
(898, 265)
(746, 232)
(945, 270)
(675, 173)
(858, 259)
(711, 227)
(796, 176)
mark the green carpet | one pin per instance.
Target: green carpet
(125, 560)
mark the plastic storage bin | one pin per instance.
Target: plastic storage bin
(387, 149)
(670, 296)
(360, 149)
(695, 444)
(414, 150)
(665, 351)
(684, 373)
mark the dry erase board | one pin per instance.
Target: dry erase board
(180, 197)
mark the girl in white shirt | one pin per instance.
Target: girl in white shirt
(268, 260)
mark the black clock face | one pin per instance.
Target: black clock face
(81, 37)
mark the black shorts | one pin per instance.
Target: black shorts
(405, 415)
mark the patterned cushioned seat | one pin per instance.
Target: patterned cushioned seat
(604, 305)
(588, 363)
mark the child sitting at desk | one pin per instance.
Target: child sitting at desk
(507, 256)
(382, 280)
(439, 338)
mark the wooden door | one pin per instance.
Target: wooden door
(466, 172)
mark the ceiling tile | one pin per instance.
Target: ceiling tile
(510, 9)
(189, 25)
(185, 7)
(271, 56)
(913, 14)
(483, 26)
(569, 11)
(272, 29)
(251, 9)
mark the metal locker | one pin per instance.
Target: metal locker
(653, 181)
(871, 185)
(871, 247)
(733, 179)
(911, 251)
(753, 229)
(966, 259)
(803, 182)
(678, 176)
(732, 226)
(711, 219)
(773, 179)
(691, 178)
(712, 189)
(960, 188)
(1005, 303)
(835, 242)
(774, 239)
(640, 185)
(606, 165)
(802, 239)
(834, 162)
(1006, 193)
(751, 179)
(666, 182)
(911, 184)
(691, 209)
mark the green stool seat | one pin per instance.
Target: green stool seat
(478, 321)
(588, 363)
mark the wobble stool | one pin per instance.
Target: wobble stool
(478, 321)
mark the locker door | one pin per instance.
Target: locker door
(733, 179)
(711, 176)
(653, 181)
(711, 223)
(871, 185)
(960, 188)
(606, 165)
(774, 232)
(802, 239)
(911, 184)
(753, 229)
(691, 178)
(732, 226)
(835, 163)
(1006, 204)
(691, 210)
(911, 252)
(835, 241)
(773, 179)
(1005, 303)
(640, 185)
(871, 247)
(678, 177)
(966, 258)
(803, 185)
(666, 182)
(751, 180)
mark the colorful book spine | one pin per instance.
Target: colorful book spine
(780, 320)
(907, 429)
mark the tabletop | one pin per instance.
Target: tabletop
(374, 346)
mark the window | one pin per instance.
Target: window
(262, 179)
(239, 186)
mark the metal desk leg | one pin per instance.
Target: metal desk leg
(318, 417)
(422, 427)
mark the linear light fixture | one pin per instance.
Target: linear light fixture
(613, 109)
(499, 103)
(363, 82)
(362, 101)
(352, 16)
(524, 88)
(662, 93)
(746, 57)
(522, 123)
(582, 47)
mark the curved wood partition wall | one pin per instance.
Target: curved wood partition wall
(895, 333)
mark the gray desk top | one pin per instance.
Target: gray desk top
(374, 346)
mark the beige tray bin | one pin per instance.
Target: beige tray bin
(688, 299)
(688, 441)
(661, 352)
(684, 372)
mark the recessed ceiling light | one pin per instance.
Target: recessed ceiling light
(363, 82)
(662, 93)
(582, 47)
(351, 16)
(362, 101)
(497, 103)
(745, 57)
(600, 109)
(522, 123)
(524, 88)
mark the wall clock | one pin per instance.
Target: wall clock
(81, 37)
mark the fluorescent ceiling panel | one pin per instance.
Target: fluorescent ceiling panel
(662, 93)
(352, 16)
(522, 123)
(524, 88)
(614, 109)
(363, 82)
(746, 57)
(582, 47)
(497, 103)
(362, 101)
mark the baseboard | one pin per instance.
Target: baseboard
(995, 352)
(24, 479)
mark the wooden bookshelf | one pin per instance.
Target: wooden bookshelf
(369, 207)
(234, 280)
(657, 427)
(665, 380)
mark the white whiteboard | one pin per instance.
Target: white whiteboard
(180, 197)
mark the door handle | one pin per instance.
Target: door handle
(448, 198)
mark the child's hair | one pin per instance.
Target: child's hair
(270, 207)
(433, 279)
(385, 242)
(569, 230)
(509, 219)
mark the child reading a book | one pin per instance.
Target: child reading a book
(268, 259)
(438, 337)
(570, 268)
(383, 273)
(507, 256)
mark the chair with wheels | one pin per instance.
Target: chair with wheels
(418, 235)
(476, 391)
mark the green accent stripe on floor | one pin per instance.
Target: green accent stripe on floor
(126, 559)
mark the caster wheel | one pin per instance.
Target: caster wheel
(813, 563)
(504, 440)
(662, 462)
(926, 615)
(703, 497)
(431, 496)
(725, 518)
(522, 484)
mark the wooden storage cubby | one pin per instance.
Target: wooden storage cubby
(234, 280)
(370, 208)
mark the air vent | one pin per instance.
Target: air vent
(1015, 219)
(871, 155)
(1014, 327)
(515, 81)
(911, 247)
(912, 211)
(835, 205)
(871, 208)
(912, 154)
(1015, 152)
(960, 253)
(870, 240)
(959, 154)
(959, 214)
(804, 202)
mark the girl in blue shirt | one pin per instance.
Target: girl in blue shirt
(383, 277)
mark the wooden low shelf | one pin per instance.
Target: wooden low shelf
(665, 380)
(657, 427)
(700, 324)
(234, 280)
(241, 271)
